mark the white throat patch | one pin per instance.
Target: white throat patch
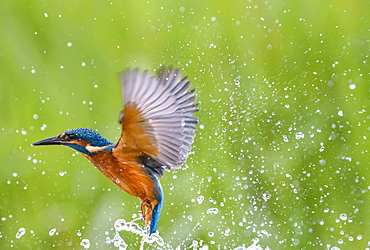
(94, 149)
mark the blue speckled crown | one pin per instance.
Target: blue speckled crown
(88, 135)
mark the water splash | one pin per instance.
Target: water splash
(120, 225)
(150, 239)
(119, 242)
(132, 227)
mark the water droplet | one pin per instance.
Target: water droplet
(212, 211)
(299, 135)
(20, 233)
(62, 173)
(200, 199)
(52, 232)
(85, 243)
(330, 83)
(322, 162)
(343, 216)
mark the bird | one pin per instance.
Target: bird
(158, 129)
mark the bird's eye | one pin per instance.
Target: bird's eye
(72, 136)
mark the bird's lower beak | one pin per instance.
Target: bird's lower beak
(50, 141)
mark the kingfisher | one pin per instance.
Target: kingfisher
(158, 129)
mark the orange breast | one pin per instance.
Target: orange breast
(129, 176)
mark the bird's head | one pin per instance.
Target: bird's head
(83, 140)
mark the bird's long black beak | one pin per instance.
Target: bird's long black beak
(50, 141)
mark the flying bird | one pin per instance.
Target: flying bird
(158, 128)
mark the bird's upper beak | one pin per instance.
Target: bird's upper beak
(50, 141)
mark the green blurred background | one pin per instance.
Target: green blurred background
(281, 157)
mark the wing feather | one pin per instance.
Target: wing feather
(157, 119)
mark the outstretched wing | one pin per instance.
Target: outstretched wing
(157, 120)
